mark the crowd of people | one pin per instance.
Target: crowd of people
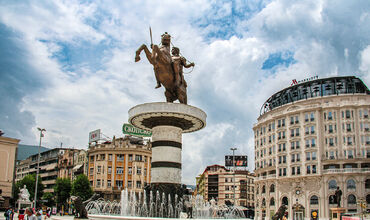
(28, 214)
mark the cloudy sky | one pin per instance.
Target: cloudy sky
(68, 66)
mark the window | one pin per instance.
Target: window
(308, 156)
(314, 169)
(110, 157)
(367, 184)
(314, 200)
(119, 170)
(130, 157)
(263, 189)
(109, 170)
(330, 115)
(332, 184)
(129, 184)
(312, 129)
(272, 188)
(313, 142)
(285, 201)
(138, 184)
(120, 157)
(99, 170)
(130, 170)
(351, 184)
(119, 183)
(312, 116)
(98, 183)
(109, 183)
(308, 171)
(138, 157)
(272, 201)
(351, 199)
(138, 170)
(313, 156)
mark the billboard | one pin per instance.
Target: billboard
(94, 136)
(239, 161)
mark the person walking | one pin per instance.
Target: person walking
(30, 214)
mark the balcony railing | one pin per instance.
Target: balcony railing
(347, 170)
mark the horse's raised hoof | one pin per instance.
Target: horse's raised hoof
(137, 58)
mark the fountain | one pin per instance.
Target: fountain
(160, 206)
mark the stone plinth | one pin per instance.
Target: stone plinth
(336, 213)
(167, 121)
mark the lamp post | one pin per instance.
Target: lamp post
(234, 149)
(38, 165)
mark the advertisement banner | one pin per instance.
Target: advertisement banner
(94, 136)
(239, 160)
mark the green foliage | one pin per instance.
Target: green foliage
(81, 187)
(62, 190)
(50, 199)
(29, 181)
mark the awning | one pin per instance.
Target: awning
(77, 167)
(51, 166)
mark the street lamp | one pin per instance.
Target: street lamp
(38, 165)
(234, 149)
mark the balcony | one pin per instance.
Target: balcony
(347, 170)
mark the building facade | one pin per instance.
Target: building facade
(71, 163)
(8, 151)
(123, 163)
(311, 138)
(217, 182)
(49, 170)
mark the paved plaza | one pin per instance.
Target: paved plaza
(53, 217)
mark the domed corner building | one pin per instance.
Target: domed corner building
(311, 138)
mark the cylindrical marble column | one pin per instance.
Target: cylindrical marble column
(167, 121)
(166, 154)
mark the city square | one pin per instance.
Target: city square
(167, 110)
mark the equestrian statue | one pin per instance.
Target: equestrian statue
(167, 69)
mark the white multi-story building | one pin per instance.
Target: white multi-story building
(311, 138)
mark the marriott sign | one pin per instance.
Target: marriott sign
(295, 82)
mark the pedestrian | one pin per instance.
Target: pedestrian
(6, 214)
(39, 214)
(30, 214)
(11, 214)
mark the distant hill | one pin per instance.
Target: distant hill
(25, 151)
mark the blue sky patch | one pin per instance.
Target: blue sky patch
(280, 58)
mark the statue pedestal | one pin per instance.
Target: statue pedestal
(168, 121)
(335, 213)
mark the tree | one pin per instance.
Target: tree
(81, 187)
(62, 190)
(29, 181)
(49, 197)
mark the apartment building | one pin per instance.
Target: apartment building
(123, 163)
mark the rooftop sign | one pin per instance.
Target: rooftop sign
(132, 130)
(295, 82)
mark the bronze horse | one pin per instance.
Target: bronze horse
(160, 58)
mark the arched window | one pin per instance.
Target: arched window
(368, 199)
(332, 184)
(285, 200)
(351, 199)
(314, 200)
(272, 201)
(351, 184)
(263, 189)
(367, 184)
(263, 202)
(272, 188)
(257, 190)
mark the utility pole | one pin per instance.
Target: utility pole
(38, 166)
(234, 149)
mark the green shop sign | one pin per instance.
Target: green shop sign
(132, 130)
